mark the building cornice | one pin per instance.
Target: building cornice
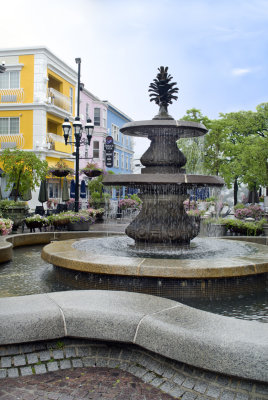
(117, 111)
(37, 106)
(53, 59)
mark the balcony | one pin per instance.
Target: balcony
(11, 141)
(11, 95)
(58, 99)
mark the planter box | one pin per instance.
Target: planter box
(78, 226)
(17, 214)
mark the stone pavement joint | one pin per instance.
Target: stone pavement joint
(73, 369)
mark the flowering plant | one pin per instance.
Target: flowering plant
(128, 203)
(195, 213)
(252, 211)
(51, 202)
(91, 170)
(61, 169)
(5, 226)
(189, 205)
(82, 216)
(36, 218)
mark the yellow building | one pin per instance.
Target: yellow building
(37, 91)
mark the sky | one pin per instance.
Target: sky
(216, 51)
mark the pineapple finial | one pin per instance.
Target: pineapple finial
(162, 92)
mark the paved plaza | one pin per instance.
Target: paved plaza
(79, 369)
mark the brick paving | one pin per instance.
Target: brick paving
(72, 369)
(82, 383)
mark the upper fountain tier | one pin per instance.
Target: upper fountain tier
(178, 129)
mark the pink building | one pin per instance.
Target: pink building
(92, 107)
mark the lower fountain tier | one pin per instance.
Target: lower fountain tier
(163, 220)
(149, 180)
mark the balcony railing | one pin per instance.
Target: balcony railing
(11, 95)
(52, 137)
(58, 99)
(11, 141)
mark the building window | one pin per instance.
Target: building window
(115, 132)
(119, 192)
(97, 116)
(104, 118)
(86, 151)
(9, 126)
(10, 80)
(53, 190)
(71, 99)
(116, 159)
(122, 160)
(126, 162)
(87, 111)
(96, 149)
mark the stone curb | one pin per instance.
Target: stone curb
(197, 338)
(174, 378)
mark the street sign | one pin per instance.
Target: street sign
(109, 152)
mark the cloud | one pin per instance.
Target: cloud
(240, 71)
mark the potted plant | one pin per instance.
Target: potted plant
(215, 227)
(36, 221)
(91, 170)
(24, 171)
(80, 221)
(61, 169)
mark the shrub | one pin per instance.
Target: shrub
(252, 211)
(128, 203)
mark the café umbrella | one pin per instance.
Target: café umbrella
(65, 192)
(72, 189)
(43, 194)
(83, 193)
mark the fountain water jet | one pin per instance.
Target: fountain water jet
(163, 183)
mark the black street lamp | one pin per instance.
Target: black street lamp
(2, 67)
(78, 129)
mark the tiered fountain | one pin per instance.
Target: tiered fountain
(160, 260)
(163, 183)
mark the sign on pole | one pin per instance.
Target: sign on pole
(109, 152)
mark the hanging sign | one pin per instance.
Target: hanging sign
(109, 152)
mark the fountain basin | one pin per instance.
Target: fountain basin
(62, 254)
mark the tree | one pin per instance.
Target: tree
(193, 148)
(245, 150)
(23, 169)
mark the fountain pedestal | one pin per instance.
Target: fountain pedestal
(163, 219)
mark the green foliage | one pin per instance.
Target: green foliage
(6, 204)
(193, 148)
(97, 195)
(239, 206)
(245, 228)
(23, 169)
(136, 198)
(215, 221)
(211, 199)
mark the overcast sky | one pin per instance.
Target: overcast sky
(216, 50)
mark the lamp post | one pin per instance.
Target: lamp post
(2, 67)
(78, 129)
